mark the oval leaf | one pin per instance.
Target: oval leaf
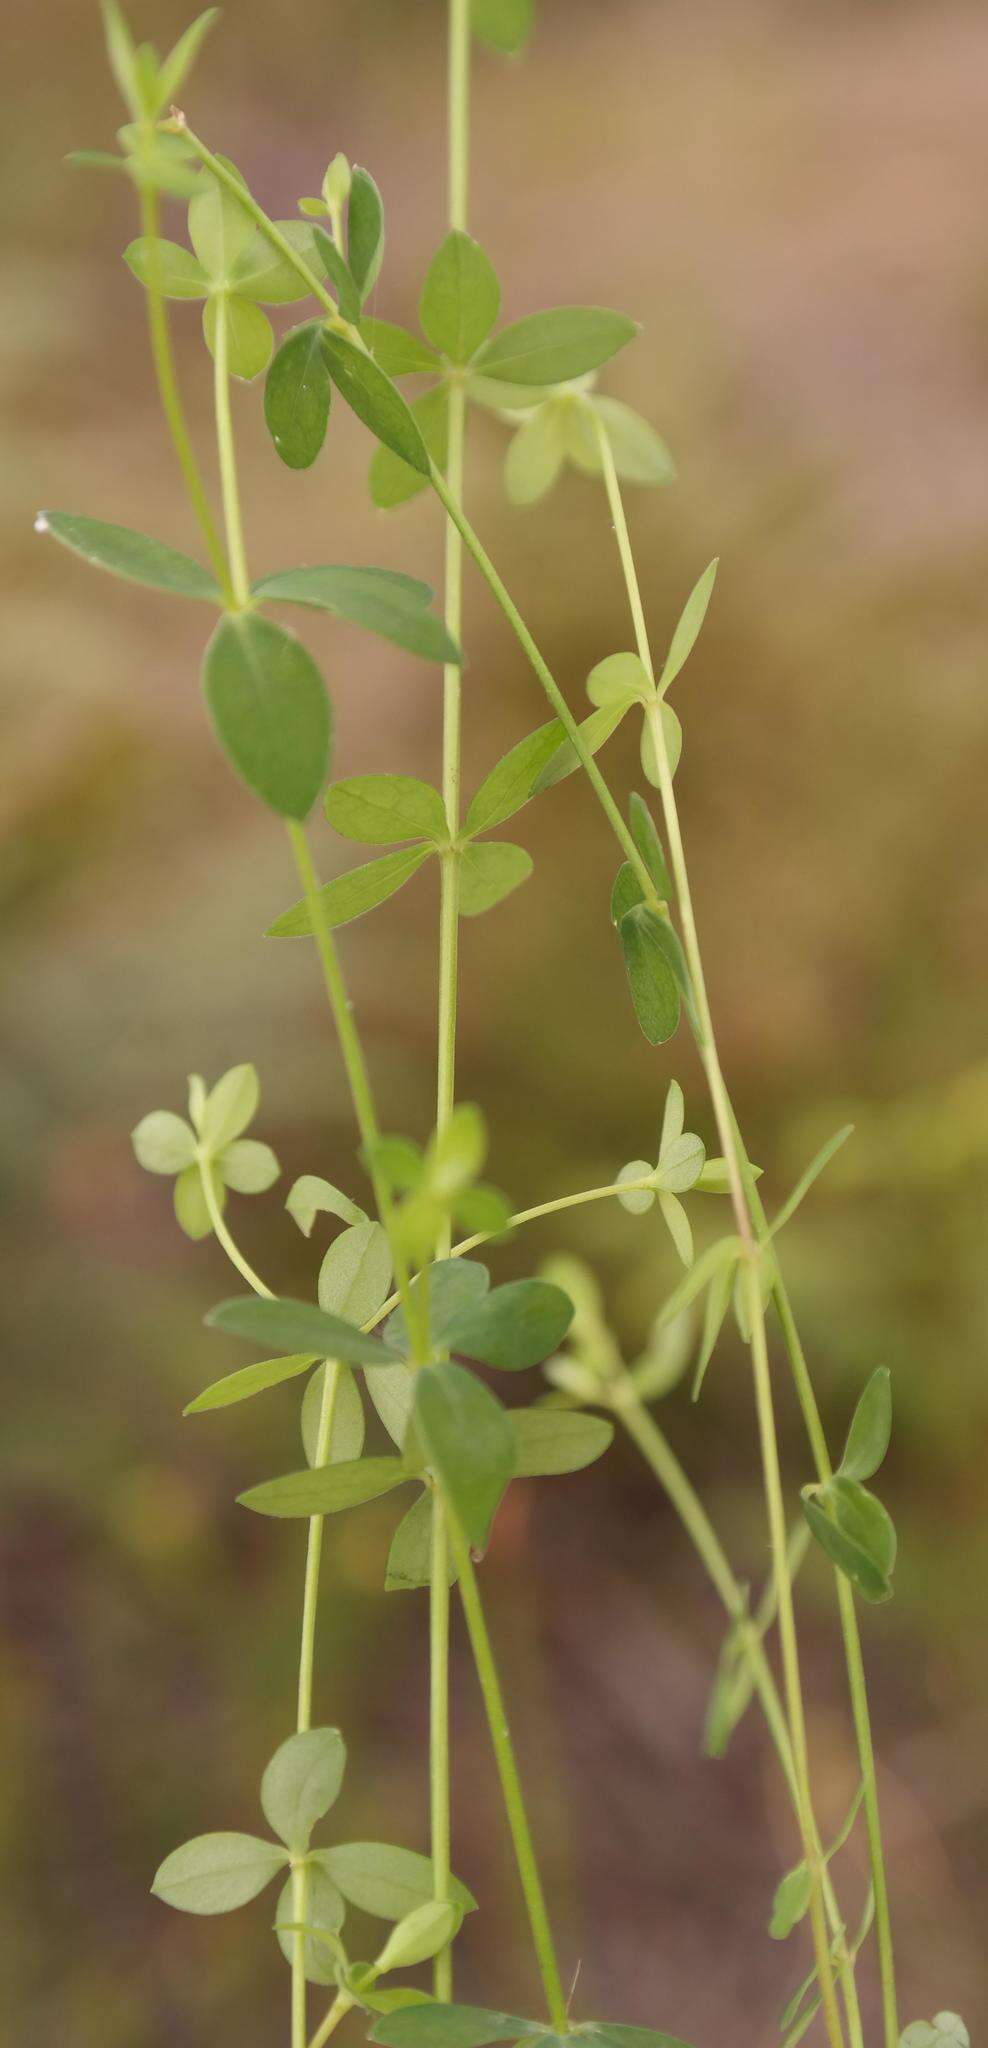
(461, 297)
(380, 808)
(551, 1441)
(215, 1873)
(302, 1782)
(871, 1428)
(514, 1326)
(385, 1881)
(135, 556)
(467, 1438)
(376, 401)
(380, 600)
(327, 1489)
(297, 394)
(270, 712)
(549, 348)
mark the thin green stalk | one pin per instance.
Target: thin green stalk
(662, 1460)
(439, 1763)
(232, 1250)
(521, 1835)
(226, 450)
(171, 403)
(342, 2004)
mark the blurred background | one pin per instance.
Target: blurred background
(790, 199)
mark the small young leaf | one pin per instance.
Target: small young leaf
(394, 482)
(715, 1309)
(550, 348)
(297, 394)
(365, 231)
(376, 401)
(467, 1438)
(310, 1196)
(346, 1422)
(653, 983)
(678, 1225)
(460, 299)
(410, 1556)
(726, 1252)
(340, 275)
(167, 268)
(394, 606)
(249, 334)
(421, 1934)
(351, 895)
(356, 1273)
(386, 1881)
(215, 1873)
(398, 353)
(230, 1107)
(177, 65)
(301, 1783)
(489, 873)
(298, 1326)
(324, 1912)
(163, 1142)
(791, 1902)
(325, 1490)
(513, 1327)
(248, 1167)
(806, 1180)
(449, 2026)
(840, 1536)
(252, 1379)
(379, 809)
(133, 556)
(551, 1441)
(688, 628)
(504, 25)
(270, 712)
(536, 454)
(871, 1428)
(619, 679)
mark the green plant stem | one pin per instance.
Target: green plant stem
(655, 1448)
(507, 1767)
(226, 449)
(342, 2004)
(223, 1237)
(171, 403)
(764, 1403)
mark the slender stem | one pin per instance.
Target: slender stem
(232, 1250)
(439, 1762)
(458, 112)
(171, 403)
(661, 1458)
(306, 1664)
(341, 2005)
(521, 1834)
(226, 450)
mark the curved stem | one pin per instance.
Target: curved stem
(342, 2004)
(224, 1237)
(521, 1834)
(171, 403)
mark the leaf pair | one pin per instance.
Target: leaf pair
(678, 1168)
(210, 1144)
(299, 385)
(849, 1523)
(216, 1873)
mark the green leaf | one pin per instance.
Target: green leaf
(673, 735)
(620, 679)
(122, 55)
(448, 2026)
(791, 1902)
(489, 873)
(454, 1286)
(715, 1309)
(606, 2035)
(636, 1200)
(593, 732)
(511, 784)
(346, 1427)
(687, 631)
(483, 1208)
(311, 1196)
(248, 1167)
(350, 895)
(376, 401)
(356, 1273)
(514, 1326)
(640, 454)
(219, 227)
(680, 1164)
(504, 25)
(301, 1783)
(856, 1538)
(179, 62)
(421, 1934)
(386, 1881)
(410, 1556)
(726, 1252)
(392, 481)
(461, 297)
(649, 845)
(340, 276)
(326, 1490)
(673, 1118)
(324, 1911)
(230, 1107)
(393, 1393)
(163, 1142)
(298, 1326)
(398, 353)
(167, 268)
(651, 978)
(252, 1379)
(379, 599)
(132, 555)
(806, 1180)
(365, 231)
(535, 456)
(261, 273)
(249, 334)
(297, 395)
(467, 1437)
(191, 1210)
(270, 712)
(379, 809)
(549, 1441)
(678, 1225)
(549, 348)
(215, 1873)
(871, 1428)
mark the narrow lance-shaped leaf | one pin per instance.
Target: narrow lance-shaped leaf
(378, 599)
(398, 353)
(325, 1489)
(376, 401)
(269, 709)
(251, 1380)
(134, 556)
(354, 893)
(871, 1428)
(550, 348)
(299, 1326)
(365, 231)
(816, 1166)
(448, 2026)
(688, 628)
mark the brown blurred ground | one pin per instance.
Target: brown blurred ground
(791, 198)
